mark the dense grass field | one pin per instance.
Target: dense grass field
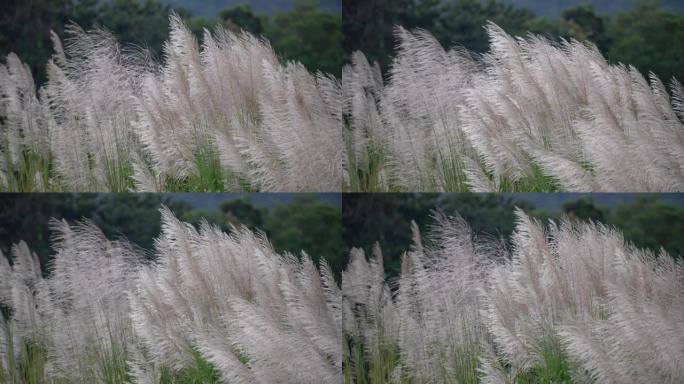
(527, 116)
(210, 307)
(225, 115)
(569, 302)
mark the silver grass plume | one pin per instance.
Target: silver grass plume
(255, 315)
(369, 314)
(573, 291)
(113, 120)
(433, 317)
(103, 316)
(230, 101)
(23, 128)
(79, 314)
(88, 285)
(364, 131)
(21, 286)
(89, 105)
(452, 121)
(428, 149)
(611, 306)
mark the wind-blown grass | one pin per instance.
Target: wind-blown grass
(212, 308)
(529, 115)
(225, 115)
(569, 302)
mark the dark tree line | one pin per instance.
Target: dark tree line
(646, 36)
(306, 223)
(322, 229)
(647, 222)
(305, 33)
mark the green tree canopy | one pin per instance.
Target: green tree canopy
(646, 36)
(241, 17)
(386, 219)
(583, 209)
(143, 23)
(311, 225)
(309, 35)
(25, 29)
(647, 222)
(368, 26)
(307, 223)
(304, 33)
(649, 38)
(133, 216)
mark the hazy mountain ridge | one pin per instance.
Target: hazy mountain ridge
(212, 201)
(553, 202)
(553, 8)
(212, 7)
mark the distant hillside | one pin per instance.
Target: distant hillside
(553, 8)
(211, 8)
(212, 201)
(552, 202)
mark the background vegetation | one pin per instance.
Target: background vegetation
(553, 8)
(646, 35)
(567, 303)
(648, 221)
(299, 30)
(209, 7)
(305, 222)
(103, 314)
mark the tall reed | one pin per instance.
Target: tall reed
(212, 307)
(568, 302)
(529, 115)
(221, 115)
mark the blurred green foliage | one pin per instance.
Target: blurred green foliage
(550, 8)
(305, 33)
(649, 38)
(308, 35)
(386, 218)
(209, 7)
(27, 216)
(242, 17)
(306, 223)
(647, 222)
(25, 25)
(646, 36)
